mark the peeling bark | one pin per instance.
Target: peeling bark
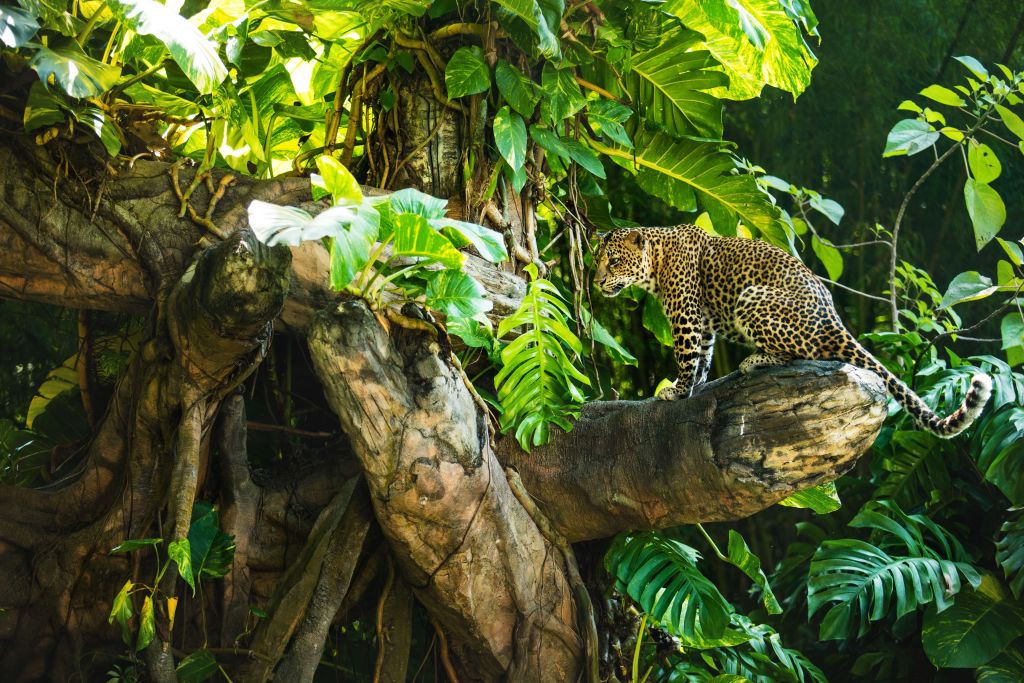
(469, 550)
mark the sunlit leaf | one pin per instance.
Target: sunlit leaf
(943, 95)
(181, 553)
(510, 137)
(822, 498)
(467, 72)
(147, 624)
(984, 164)
(909, 137)
(78, 74)
(196, 55)
(17, 26)
(969, 286)
(986, 209)
(456, 294)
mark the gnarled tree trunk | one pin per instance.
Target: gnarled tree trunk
(419, 475)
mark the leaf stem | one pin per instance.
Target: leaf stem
(711, 541)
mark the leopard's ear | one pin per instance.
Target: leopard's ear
(637, 239)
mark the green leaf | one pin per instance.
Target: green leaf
(985, 166)
(196, 55)
(350, 248)
(17, 26)
(456, 294)
(518, 90)
(561, 95)
(510, 137)
(585, 157)
(539, 383)
(211, 551)
(147, 624)
(943, 95)
(549, 141)
(338, 181)
(197, 667)
(181, 553)
(676, 170)
(122, 608)
(602, 336)
(829, 208)
(1011, 121)
(916, 468)
(968, 286)
(974, 66)
(661, 575)
(467, 72)
(822, 498)
(909, 137)
(1010, 552)
(608, 117)
(669, 85)
(829, 256)
(782, 60)
(1007, 667)
(1013, 251)
(135, 544)
(78, 74)
(541, 19)
(1012, 330)
(96, 120)
(42, 108)
(490, 244)
(415, 237)
(411, 200)
(746, 561)
(986, 209)
(974, 630)
(655, 320)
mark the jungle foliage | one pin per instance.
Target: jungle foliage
(920, 568)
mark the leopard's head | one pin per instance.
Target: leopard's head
(624, 258)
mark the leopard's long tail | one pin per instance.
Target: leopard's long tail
(946, 427)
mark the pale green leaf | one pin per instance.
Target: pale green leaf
(1011, 121)
(510, 137)
(96, 120)
(338, 181)
(561, 94)
(147, 624)
(746, 561)
(822, 499)
(196, 55)
(467, 72)
(456, 294)
(986, 209)
(909, 137)
(1012, 330)
(181, 553)
(75, 72)
(968, 286)
(784, 60)
(942, 95)
(518, 90)
(829, 257)
(415, 237)
(984, 163)
(974, 66)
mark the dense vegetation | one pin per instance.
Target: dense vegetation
(883, 146)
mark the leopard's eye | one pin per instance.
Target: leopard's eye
(613, 261)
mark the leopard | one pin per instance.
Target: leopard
(754, 293)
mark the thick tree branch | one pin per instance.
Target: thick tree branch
(743, 443)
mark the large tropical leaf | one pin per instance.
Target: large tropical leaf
(867, 582)
(17, 26)
(661, 575)
(682, 171)
(539, 383)
(1010, 552)
(975, 629)
(915, 467)
(822, 498)
(669, 84)
(755, 41)
(196, 55)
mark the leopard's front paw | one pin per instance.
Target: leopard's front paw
(672, 393)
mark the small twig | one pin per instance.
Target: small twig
(857, 245)
(379, 667)
(445, 657)
(584, 605)
(853, 291)
(264, 427)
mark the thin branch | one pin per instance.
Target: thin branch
(853, 291)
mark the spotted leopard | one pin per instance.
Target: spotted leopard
(753, 293)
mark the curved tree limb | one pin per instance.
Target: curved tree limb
(743, 443)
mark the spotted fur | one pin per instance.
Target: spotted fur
(750, 292)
